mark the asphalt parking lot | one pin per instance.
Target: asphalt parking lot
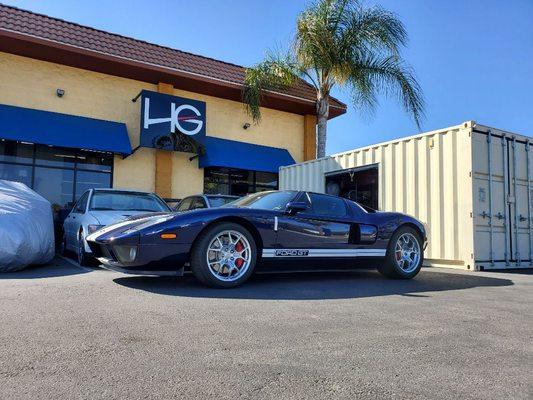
(74, 333)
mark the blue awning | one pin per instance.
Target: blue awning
(233, 154)
(45, 127)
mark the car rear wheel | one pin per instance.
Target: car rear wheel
(224, 256)
(404, 255)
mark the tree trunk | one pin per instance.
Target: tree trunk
(322, 112)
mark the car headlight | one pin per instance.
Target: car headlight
(94, 228)
(125, 253)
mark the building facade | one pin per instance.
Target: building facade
(70, 115)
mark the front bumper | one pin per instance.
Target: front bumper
(150, 259)
(113, 266)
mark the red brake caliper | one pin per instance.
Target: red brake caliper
(239, 261)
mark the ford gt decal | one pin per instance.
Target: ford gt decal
(291, 253)
(270, 253)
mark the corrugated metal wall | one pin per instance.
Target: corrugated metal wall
(475, 196)
(427, 176)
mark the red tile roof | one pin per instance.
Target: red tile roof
(41, 30)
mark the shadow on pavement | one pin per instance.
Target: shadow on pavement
(315, 286)
(55, 268)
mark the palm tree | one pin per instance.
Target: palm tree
(340, 43)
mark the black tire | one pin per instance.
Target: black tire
(390, 267)
(63, 245)
(199, 265)
(84, 259)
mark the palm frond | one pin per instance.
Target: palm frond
(390, 76)
(276, 72)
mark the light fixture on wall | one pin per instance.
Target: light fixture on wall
(246, 125)
(60, 92)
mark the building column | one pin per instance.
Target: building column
(309, 137)
(163, 158)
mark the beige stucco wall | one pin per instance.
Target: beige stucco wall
(26, 82)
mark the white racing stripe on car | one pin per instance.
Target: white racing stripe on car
(271, 253)
(111, 227)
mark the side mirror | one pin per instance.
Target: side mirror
(294, 207)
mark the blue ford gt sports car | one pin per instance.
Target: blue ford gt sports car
(223, 246)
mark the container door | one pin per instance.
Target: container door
(502, 201)
(520, 187)
(491, 241)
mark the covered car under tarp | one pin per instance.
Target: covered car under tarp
(26, 227)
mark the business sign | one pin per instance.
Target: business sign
(171, 122)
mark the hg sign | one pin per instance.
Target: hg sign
(170, 122)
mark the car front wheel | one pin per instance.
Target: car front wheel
(83, 258)
(404, 255)
(224, 256)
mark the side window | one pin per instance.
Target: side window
(198, 202)
(185, 204)
(81, 205)
(328, 206)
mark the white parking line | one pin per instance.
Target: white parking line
(72, 262)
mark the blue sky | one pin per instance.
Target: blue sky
(474, 59)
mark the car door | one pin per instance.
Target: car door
(74, 219)
(326, 224)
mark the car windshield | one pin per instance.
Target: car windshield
(126, 201)
(219, 201)
(265, 200)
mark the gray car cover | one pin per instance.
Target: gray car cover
(26, 227)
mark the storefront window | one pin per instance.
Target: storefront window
(266, 181)
(15, 152)
(238, 182)
(55, 156)
(216, 181)
(55, 185)
(94, 161)
(17, 173)
(86, 180)
(60, 175)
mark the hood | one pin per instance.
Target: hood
(110, 217)
(127, 224)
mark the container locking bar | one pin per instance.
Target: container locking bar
(491, 232)
(515, 208)
(529, 224)
(505, 198)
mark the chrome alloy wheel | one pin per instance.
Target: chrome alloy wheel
(229, 255)
(407, 252)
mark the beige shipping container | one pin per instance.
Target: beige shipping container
(470, 184)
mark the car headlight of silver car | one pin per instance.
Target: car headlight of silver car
(125, 253)
(94, 228)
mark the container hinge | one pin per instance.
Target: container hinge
(484, 215)
(500, 216)
(521, 218)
